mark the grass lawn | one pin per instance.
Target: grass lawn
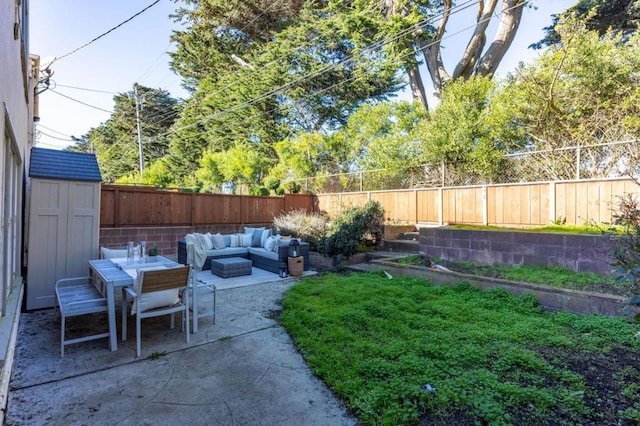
(401, 351)
(552, 276)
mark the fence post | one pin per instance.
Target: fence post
(440, 207)
(116, 208)
(552, 201)
(485, 206)
(578, 161)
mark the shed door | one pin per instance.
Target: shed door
(63, 235)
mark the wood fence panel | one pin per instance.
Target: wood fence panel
(307, 202)
(448, 206)
(398, 205)
(506, 205)
(470, 205)
(217, 209)
(261, 209)
(107, 207)
(428, 205)
(539, 204)
(152, 208)
(566, 202)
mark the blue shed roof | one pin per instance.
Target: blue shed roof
(64, 165)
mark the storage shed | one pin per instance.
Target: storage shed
(64, 220)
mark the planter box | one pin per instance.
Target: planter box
(555, 299)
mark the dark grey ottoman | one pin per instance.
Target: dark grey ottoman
(231, 267)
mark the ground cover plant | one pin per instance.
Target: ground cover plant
(401, 351)
(557, 227)
(551, 276)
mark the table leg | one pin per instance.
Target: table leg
(111, 305)
(194, 301)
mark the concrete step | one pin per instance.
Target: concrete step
(408, 246)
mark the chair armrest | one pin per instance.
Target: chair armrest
(131, 292)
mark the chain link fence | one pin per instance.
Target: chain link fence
(610, 160)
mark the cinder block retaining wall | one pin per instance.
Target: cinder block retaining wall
(583, 253)
(165, 237)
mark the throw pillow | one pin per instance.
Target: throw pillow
(265, 235)
(227, 240)
(276, 246)
(269, 243)
(218, 242)
(233, 240)
(209, 241)
(247, 240)
(256, 234)
(205, 241)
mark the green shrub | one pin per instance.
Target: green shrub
(350, 231)
(259, 190)
(292, 187)
(272, 184)
(627, 250)
(300, 224)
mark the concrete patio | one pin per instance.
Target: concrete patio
(242, 370)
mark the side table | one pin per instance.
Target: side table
(295, 265)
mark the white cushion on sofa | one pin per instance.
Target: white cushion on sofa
(228, 251)
(218, 241)
(262, 252)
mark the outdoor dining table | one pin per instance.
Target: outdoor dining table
(117, 274)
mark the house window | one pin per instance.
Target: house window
(10, 237)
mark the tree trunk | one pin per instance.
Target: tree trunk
(509, 22)
(474, 49)
(431, 51)
(417, 86)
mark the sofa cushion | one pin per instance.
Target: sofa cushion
(262, 252)
(256, 235)
(227, 252)
(263, 238)
(218, 242)
(206, 239)
(241, 240)
(269, 243)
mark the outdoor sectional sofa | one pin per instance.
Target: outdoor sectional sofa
(254, 245)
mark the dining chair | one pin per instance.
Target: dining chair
(157, 291)
(198, 288)
(113, 253)
(78, 296)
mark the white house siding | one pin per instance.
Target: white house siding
(16, 136)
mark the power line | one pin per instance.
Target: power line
(80, 102)
(420, 25)
(105, 33)
(86, 89)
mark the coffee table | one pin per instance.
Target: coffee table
(228, 267)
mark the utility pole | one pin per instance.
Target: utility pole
(138, 109)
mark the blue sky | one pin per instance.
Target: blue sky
(137, 52)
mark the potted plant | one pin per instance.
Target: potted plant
(153, 253)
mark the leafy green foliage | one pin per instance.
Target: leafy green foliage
(599, 15)
(580, 92)
(353, 228)
(471, 130)
(489, 357)
(115, 142)
(627, 249)
(292, 187)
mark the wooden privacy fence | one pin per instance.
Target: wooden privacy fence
(129, 206)
(524, 204)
